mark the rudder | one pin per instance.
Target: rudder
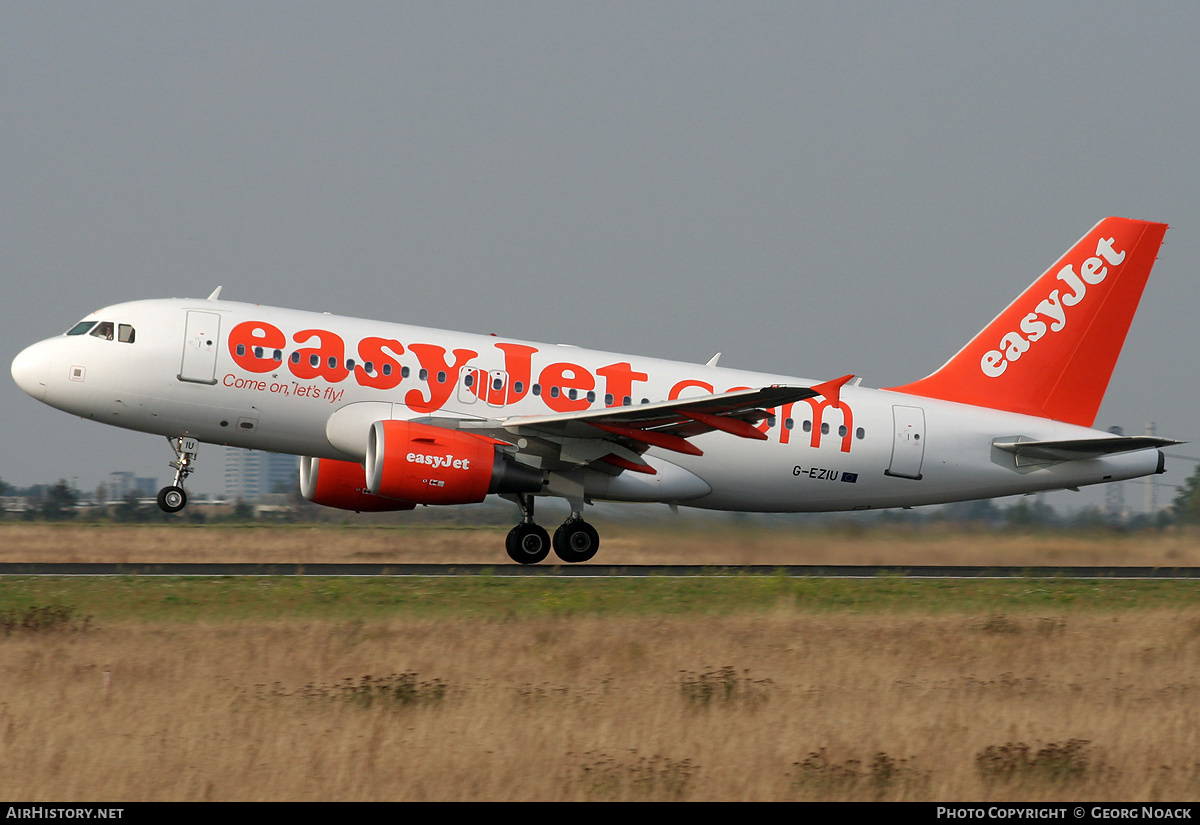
(1052, 351)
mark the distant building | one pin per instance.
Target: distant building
(252, 474)
(14, 504)
(120, 484)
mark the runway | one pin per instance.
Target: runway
(596, 571)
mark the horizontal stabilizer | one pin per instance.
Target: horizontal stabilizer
(1079, 448)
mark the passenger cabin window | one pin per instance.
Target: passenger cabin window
(81, 328)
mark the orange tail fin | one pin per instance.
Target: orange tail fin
(1051, 353)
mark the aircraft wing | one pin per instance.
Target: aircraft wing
(1029, 452)
(614, 438)
(664, 416)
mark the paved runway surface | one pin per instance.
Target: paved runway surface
(547, 570)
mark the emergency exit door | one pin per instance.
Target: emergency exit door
(908, 442)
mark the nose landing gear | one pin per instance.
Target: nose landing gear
(173, 498)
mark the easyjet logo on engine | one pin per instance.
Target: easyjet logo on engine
(439, 461)
(1051, 314)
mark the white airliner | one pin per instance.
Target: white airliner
(388, 416)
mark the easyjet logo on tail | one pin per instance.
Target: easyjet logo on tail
(1069, 325)
(1051, 314)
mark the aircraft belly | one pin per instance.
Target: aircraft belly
(786, 478)
(669, 483)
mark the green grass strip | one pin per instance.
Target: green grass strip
(226, 598)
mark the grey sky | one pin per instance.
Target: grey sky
(812, 188)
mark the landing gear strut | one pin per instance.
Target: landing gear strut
(173, 498)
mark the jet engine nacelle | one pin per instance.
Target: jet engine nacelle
(342, 484)
(434, 465)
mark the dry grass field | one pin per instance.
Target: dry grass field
(782, 706)
(776, 702)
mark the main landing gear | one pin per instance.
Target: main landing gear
(173, 498)
(529, 543)
(576, 540)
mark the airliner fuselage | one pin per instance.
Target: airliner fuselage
(438, 417)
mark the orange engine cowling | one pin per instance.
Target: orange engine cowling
(342, 484)
(434, 465)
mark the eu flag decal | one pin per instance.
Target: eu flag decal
(851, 477)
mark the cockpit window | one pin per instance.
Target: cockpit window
(81, 328)
(125, 333)
(104, 330)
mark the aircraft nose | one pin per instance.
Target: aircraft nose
(30, 369)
